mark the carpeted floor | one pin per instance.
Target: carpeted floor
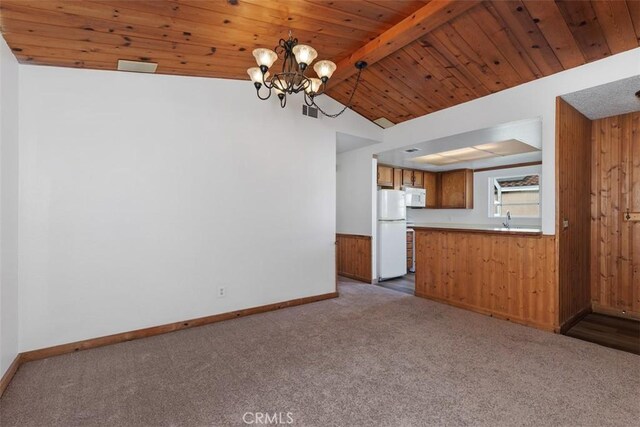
(371, 357)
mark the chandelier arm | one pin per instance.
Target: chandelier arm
(265, 98)
(308, 100)
(265, 84)
(355, 87)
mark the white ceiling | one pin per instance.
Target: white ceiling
(527, 131)
(346, 142)
(607, 100)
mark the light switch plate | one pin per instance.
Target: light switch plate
(565, 223)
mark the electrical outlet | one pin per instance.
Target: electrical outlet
(222, 292)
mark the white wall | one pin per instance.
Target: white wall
(480, 212)
(140, 195)
(8, 207)
(353, 203)
(531, 100)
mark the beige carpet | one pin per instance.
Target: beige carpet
(371, 357)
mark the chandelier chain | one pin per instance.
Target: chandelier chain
(348, 105)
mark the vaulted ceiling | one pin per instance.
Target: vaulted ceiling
(424, 56)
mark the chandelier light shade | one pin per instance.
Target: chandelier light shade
(324, 69)
(314, 87)
(265, 57)
(292, 79)
(304, 55)
(256, 75)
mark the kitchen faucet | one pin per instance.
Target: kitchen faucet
(507, 224)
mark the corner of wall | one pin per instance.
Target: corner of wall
(9, 333)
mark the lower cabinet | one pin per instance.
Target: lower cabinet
(410, 250)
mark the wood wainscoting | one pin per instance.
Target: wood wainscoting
(353, 257)
(512, 276)
(615, 242)
(573, 183)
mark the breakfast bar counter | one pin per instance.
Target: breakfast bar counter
(478, 228)
(510, 273)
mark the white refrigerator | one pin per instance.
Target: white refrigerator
(392, 234)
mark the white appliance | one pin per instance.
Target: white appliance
(415, 197)
(392, 234)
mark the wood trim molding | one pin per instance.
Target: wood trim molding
(569, 323)
(8, 376)
(163, 329)
(59, 350)
(511, 166)
(422, 21)
(615, 312)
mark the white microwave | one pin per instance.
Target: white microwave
(415, 197)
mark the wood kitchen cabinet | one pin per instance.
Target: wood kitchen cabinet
(418, 179)
(430, 181)
(412, 178)
(397, 179)
(456, 189)
(410, 250)
(385, 176)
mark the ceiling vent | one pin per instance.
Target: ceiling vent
(137, 66)
(310, 111)
(411, 150)
(383, 122)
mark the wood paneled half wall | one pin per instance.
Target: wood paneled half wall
(511, 276)
(353, 256)
(615, 241)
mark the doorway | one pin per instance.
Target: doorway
(598, 215)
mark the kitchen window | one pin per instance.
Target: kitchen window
(519, 195)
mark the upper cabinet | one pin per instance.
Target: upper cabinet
(431, 185)
(385, 176)
(446, 190)
(412, 178)
(418, 179)
(397, 179)
(456, 189)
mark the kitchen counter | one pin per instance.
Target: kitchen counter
(506, 274)
(478, 228)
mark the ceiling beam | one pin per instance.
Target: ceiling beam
(422, 21)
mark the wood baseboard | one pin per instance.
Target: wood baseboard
(543, 326)
(58, 350)
(8, 376)
(569, 323)
(615, 312)
(355, 277)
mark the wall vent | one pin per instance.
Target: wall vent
(310, 111)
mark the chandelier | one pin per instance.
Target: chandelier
(296, 59)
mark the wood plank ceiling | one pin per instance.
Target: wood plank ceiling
(487, 47)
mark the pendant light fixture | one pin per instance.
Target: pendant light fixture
(292, 79)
